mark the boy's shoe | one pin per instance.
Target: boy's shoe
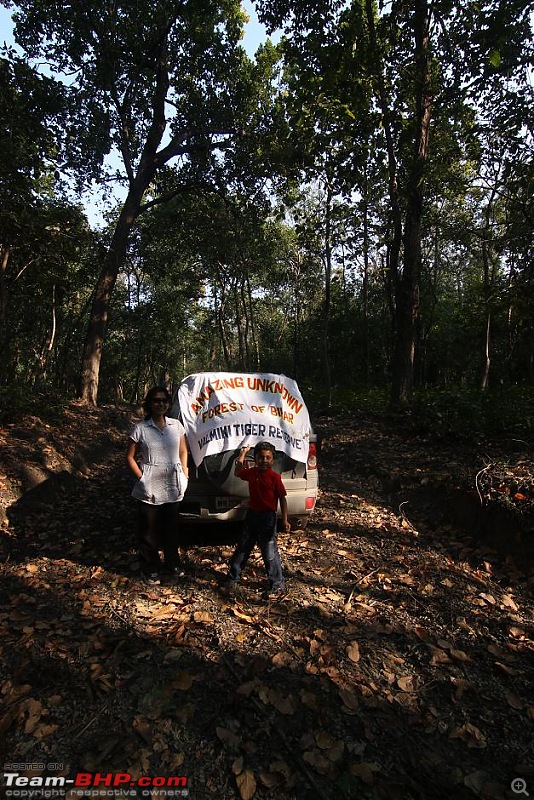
(274, 593)
(174, 572)
(152, 578)
(229, 586)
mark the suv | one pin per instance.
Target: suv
(215, 494)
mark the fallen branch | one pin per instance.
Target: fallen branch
(357, 584)
(403, 516)
(89, 723)
(479, 473)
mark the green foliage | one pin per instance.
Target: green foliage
(351, 401)
(20, 399)
(46, 285)
(277, 250)
(463, 414)
(32, 110)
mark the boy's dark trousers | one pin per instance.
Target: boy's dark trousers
(259, 528)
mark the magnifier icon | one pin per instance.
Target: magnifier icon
(519, 786)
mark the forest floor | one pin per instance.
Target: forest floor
(399, 665)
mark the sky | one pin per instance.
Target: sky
(255, 34)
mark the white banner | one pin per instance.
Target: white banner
(227, 410)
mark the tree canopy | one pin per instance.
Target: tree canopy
(352, 205)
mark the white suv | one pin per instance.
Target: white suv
(215, 494)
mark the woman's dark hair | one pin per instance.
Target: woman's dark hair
(147, 402)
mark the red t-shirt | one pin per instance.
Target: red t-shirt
(265, 488)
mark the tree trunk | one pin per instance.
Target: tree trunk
(113, 261)
(253, 334)
(325, 356)
(365, 287)
(407, 306)
(487, 279)
(98, 319)
(49, 342)
(5, 253)
(296, 278)
(395, 242)
(219, 315)
(116, 255)
(484, 384)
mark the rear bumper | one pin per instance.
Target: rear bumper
(204, 511)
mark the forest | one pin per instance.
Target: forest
(351, 206)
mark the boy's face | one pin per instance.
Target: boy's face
(264, 460)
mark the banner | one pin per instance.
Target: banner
(227, 410)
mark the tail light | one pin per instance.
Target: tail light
(312, 456)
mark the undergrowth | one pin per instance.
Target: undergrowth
(463, 414)
(19, 400)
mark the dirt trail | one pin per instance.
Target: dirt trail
(398, 666)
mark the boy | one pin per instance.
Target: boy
(266, 490)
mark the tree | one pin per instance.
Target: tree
(159, 86)
(44, 238)
(32, 109)
(410, 54)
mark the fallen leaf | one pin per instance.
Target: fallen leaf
(364, 771)
(353, 652)
(514, 701)
(183, 681)
(246, 783)
(470, 734)
(309, 699)
(459, 655)
(283, 659)
(237, 766)
(32, 710)
(143, 727)
(335, 753)
(271, 779)
(228, 737)
(438, 656)
(316, 760)
(406, 683)
(516, 632)
(324, 740)
(43, 730)
(506, 669)
(202, 616)
(349, 699)
(245, 617)
(509, 602)
(283, 703)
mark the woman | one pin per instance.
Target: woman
(157, 458)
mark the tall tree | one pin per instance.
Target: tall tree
(32, 112)
(411, 54)
(157, 85)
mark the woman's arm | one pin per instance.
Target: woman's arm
(183, 455)
(133, 466)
